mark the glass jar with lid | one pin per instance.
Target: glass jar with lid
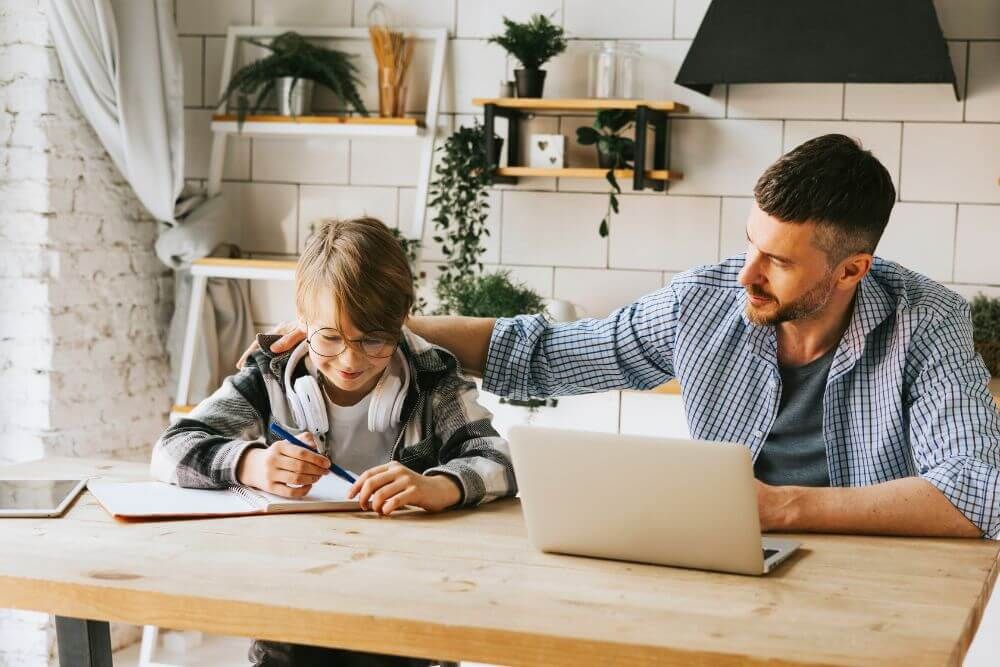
(626, 74)
(603, 70)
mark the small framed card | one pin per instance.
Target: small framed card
(547, 151)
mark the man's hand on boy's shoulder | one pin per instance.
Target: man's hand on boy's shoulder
(291, 335)
(281, 465)
(387, 488)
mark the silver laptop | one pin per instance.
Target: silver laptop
(685, 503)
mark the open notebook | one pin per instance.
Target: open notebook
(159, 500)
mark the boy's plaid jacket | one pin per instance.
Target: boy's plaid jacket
(444, 429)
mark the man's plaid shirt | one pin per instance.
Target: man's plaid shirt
(907, 394)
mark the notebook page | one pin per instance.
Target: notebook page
(329, 489)
(148, 499)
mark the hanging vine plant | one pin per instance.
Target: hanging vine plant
(461, 201)
(460, 196)
(614, 151)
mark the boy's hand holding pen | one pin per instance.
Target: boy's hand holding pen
(284, 468)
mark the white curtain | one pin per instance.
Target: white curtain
(121, 62)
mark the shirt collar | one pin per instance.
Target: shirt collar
(872, 306)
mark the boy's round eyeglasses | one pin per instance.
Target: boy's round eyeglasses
(328, 342)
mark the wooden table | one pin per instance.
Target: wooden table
(466, 585)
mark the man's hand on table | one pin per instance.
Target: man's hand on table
(774, 504)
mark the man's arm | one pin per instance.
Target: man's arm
(468, 338)
(909, 506)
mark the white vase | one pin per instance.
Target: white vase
(560, 310)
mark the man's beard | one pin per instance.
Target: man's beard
(807, 305)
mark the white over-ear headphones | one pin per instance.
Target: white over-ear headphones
(305, 399)
(309, 409)
(386, 408)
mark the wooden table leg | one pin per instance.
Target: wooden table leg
(83, 643)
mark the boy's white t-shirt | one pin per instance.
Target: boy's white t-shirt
(349, 442)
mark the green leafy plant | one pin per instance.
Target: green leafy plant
(459, 195)
(533, 43)
(293, 56)
(490, 295)
(412, 249)
(461, 202)
(986, 331)
(613, 149)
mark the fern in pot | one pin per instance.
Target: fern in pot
(533, 43)
(293, 64)
(614, 151)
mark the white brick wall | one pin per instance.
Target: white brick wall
(83, 299)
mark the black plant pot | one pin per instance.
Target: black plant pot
(498, 151)
(605, 160)
(530, 82)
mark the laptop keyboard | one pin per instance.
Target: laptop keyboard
(769, 552)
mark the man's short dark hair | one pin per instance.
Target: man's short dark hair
(833, 182)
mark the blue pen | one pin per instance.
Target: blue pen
(334, 468)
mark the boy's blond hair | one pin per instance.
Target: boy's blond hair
(361, 266)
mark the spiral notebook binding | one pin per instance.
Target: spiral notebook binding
(249, 497)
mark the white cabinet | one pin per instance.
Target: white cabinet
(590, 412)
(629, 412)
(657, 415)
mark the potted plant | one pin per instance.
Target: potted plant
(533, 44)
(292, 61)
(489, 295)
(986, 331)
(614, 151)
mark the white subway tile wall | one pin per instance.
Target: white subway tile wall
(303, 12)
(912, 229)
(943, 154)
(951, 162)
(783, 100)
(598, 292)
(589, 20)
(722, 157)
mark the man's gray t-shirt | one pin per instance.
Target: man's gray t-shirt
(794, 452)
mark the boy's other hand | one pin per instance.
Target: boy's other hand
(291, 335)
(386, 488)
(282, 465)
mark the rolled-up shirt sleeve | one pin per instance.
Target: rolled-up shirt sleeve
(632, 348)
(955, 425)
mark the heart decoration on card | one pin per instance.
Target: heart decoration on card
(543, 145)
(552, 159)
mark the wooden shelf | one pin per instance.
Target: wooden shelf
(250, 269)
(319, 125)
(576, 172)
(583, 104)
